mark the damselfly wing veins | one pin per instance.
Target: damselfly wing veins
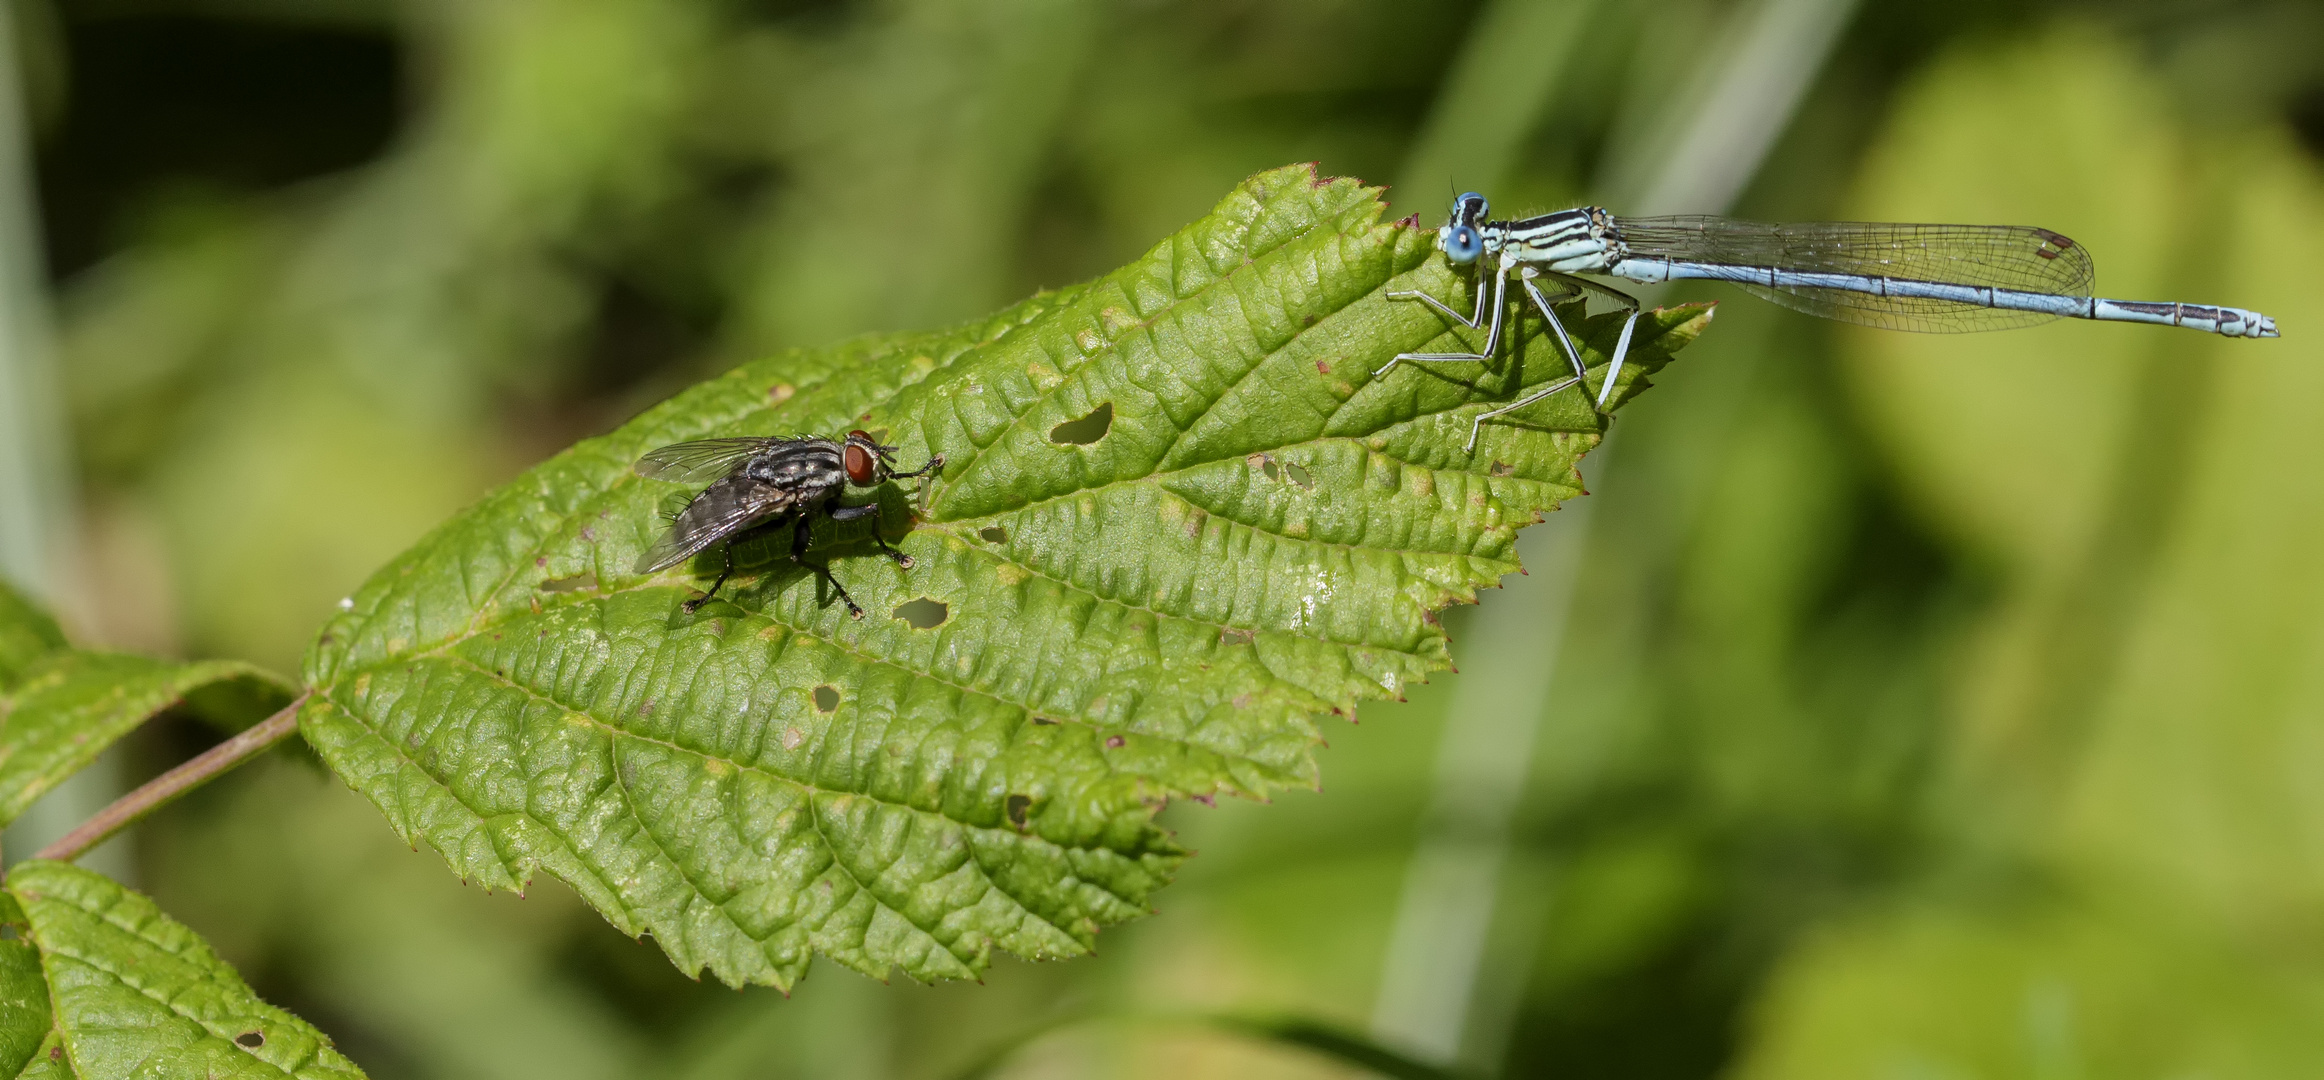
(758, 485)
(1934, 278)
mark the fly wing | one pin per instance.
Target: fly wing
(2016, 257)
(723, 509)
(703, 459)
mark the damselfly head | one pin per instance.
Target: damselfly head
(1469, 209)
(1460, 238)
(1461, 243)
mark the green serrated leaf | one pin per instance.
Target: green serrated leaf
(1179, 521)
(27, 633)
(134, 993)
(67, 707)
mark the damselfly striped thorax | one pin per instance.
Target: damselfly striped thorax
(758, 485)
(1933, 278)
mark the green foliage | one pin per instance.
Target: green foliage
(60, 706)
(2137, 708)
(1260, 537)
(102, 984)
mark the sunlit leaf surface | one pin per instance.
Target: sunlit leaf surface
(1178, 522)
(124, 990)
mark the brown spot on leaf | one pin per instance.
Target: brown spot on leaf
(1018, 807)
(1115, 742)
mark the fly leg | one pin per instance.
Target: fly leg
(727, 549)
(799, 537)
(694, 605)
(935, 462)
(872, 511)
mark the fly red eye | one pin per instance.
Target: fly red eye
(859, 465)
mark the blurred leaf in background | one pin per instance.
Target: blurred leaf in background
(1938, 703)
(2130, 773)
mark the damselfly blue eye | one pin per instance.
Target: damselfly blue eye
(1462, 244)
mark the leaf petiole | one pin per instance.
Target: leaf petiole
(162, 790)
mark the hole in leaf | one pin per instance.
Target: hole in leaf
(1298, 475)
(1272, 472)
(1018, 806)
(250, 1040)
(576, 583)
(923, 614)
(826, 698)
(993, 534)
(1086, 430)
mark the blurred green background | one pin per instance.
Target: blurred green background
(1909, 707)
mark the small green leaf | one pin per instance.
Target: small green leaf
(1178, 522)
(134, 993)
(69, 706)
(60, 707)
(26, 634)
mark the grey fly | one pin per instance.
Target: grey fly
(758, 485)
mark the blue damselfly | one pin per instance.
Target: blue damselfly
(1933, 278)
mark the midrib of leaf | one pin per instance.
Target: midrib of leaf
(1091, 772)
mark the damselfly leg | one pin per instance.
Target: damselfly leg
(1569, 288)
(1579, 287)
(1499, 294)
